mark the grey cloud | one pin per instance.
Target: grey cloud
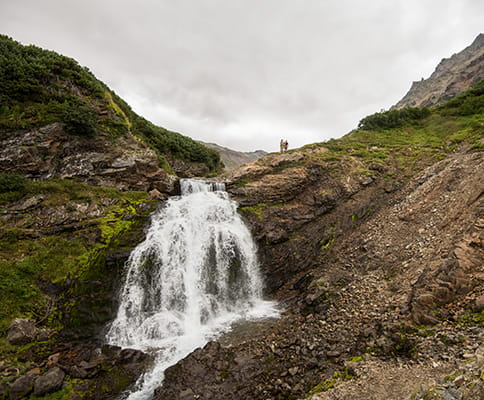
(244, 73)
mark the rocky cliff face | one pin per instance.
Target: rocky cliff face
(50, 152)
(452, 76)
(232, 158)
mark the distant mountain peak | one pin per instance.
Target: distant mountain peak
(233, 158)
(451, 76)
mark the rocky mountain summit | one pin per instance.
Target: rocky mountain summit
(452, 76)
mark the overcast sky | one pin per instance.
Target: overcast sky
(246, 73)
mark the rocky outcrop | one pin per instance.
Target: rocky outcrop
(232, 158)
(296, 204)
(49, 152)
(452, 76)
(50, 381)
(21, 331)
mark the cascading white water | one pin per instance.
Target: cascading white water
(194, 275)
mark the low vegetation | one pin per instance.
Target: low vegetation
(393, 118)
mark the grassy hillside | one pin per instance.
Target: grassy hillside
(412, 138)
(38, 87)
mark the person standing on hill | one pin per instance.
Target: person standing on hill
(281, 145)
(286, 145)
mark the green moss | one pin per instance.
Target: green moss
(327, 384)
(30, 262)
(472, 318)
(242, 182)
(257, 210)
(324, 386)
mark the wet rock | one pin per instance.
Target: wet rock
(77, 372)
(277, 236)
(50, 382)
(21, 331)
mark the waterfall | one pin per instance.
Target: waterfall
(193, 276)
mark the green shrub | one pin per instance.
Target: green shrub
(12, 187)
(393, 118)
(12, 182)
(79, 119)
(467, 103)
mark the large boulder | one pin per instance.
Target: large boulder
(21, 331)
(50, 382)
(21, 387)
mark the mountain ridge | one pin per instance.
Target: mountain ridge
(234, 158)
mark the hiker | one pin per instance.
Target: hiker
(281, 145)
(285, 146)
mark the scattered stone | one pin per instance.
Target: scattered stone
(156, 195)
(33, 372)
(333, 354)
(186, 394)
